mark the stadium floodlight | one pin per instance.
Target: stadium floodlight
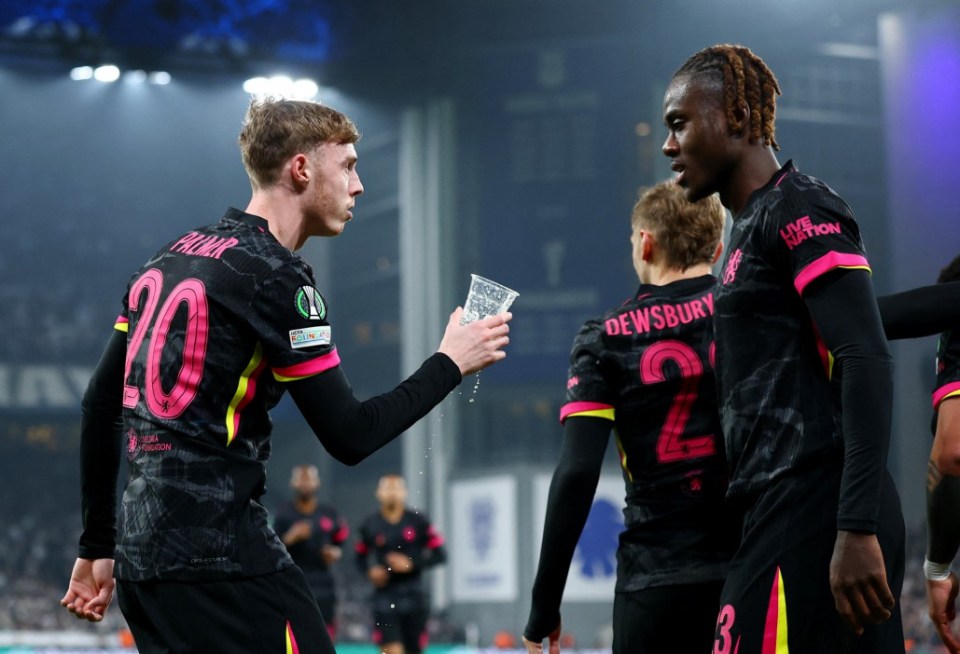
(135, 76)
(281, 86)
(106, 73)
(305, 89)
(257, 86)
(81, 73)
(159, 77)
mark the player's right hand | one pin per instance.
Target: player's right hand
(941, 606)
(298, 531)
(90, 590)
(553, 641)
(858, 580)
(478, 344)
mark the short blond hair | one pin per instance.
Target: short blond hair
(275, 129)
(687, 232)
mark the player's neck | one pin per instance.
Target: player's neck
(755, 169)
(392, 514)
(283, 214)
(305, 504)
(659, 276)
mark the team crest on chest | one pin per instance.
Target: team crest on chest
(733, 263)
(309, 303)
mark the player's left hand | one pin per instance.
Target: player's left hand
(330, 554)
(553, 641)
(90, 590)
(941, 605)
(858, 580)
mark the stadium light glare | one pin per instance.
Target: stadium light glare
(160, 77)
(81, 73)
(281, 86)
(305, 89)
(256, 86)
(106, 73)
(135, 76)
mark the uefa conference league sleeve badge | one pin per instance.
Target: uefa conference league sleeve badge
(310, 306)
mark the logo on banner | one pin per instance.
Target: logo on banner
(482, 513)
(597, 548)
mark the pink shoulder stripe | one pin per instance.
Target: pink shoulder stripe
(580, 407)
(308, 368)
(945, 391)
(825, 264)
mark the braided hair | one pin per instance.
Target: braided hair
(747, 83)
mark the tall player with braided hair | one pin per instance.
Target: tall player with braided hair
(804, 378)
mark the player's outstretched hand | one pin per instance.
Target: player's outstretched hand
(941, 605)
(478, 344)
(553, 641)
(858, 580)
(91, 589)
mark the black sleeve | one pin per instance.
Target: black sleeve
(434, 556)
(943, 528)
(362, 552)
(921, 311)
(847, 319)
(282, 521)
(351, 430)
(943, 489)
(568, 505)
(101, 432)
(431, 551)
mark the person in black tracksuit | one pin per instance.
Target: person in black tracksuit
(396, 545)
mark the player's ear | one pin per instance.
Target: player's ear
(299, 171)
(648, 243)
(717, 252)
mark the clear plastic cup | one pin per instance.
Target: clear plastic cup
(486, 298)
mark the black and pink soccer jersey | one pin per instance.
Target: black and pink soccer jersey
(327, 527)
(948, 367)
(779, 407)
(647, 366)
(414, 536)
(216, 321)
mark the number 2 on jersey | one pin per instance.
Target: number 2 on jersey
(191, 292)
(671, 445)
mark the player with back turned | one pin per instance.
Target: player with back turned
(645, 370)
(213, 329)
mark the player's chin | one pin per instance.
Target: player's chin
(693, 192)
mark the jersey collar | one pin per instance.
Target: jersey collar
(235, 215)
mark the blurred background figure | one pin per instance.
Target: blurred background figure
(313, 533)
(396, 545)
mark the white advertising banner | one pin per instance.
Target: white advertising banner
(483, 539)
(593, 571)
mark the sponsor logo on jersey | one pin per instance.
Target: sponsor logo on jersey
(309, 303)
(309, 337)
(803, 228)
(147, 443)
